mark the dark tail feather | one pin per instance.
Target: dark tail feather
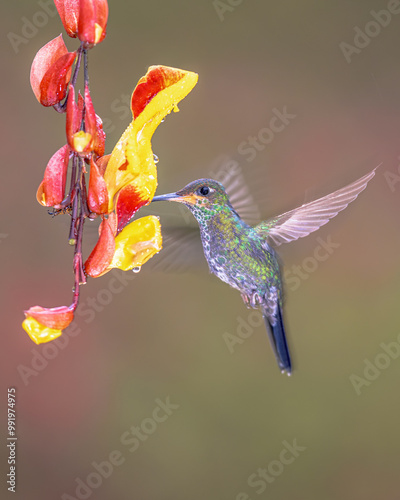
(277, 337)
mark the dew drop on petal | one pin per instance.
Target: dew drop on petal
(136, 269)
(155, 158)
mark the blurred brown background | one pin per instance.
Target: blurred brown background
(162, 335)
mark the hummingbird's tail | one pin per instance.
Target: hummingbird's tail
(277, 337)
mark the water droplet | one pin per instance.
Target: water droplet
(155, 158)
(136, 269)
(163, 120)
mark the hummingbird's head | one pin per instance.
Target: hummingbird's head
(201, 196)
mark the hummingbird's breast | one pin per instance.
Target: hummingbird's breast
(239, 258)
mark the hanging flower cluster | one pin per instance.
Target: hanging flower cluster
(119, 183)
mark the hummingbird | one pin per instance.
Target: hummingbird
(244, 256)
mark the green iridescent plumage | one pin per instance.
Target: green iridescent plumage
(243, 256)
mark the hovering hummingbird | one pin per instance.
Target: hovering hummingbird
(244, 257)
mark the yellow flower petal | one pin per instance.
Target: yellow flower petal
(38, 332)
(81, 140)
(137, 243)
(132, 161)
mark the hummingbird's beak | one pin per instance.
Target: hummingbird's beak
(189, 198)
(166, 197)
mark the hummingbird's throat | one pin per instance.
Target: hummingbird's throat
(204, 211)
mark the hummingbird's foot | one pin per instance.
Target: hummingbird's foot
(246, 300)
(255, 300)
(252, 301)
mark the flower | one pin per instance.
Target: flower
(43, 324)
(51, 72)
(52, 188)
(78, 140)
(101, 256)
(85, 19)
(127, 180)
(130, 249)
(68, 10)
(92, 24)
(120, 183)
(93, 126)
(93, 137)
(137, 243)
(97, 192)
(131, 174)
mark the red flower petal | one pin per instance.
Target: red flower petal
(77, 139)
(94, 126)
(90, 115)
(99, 144)
(129, 200)
(102, 163)
(74, 113)
(102, 254)
(156, 79)
(51, 190)
(53, 87)
(92, 22)
(45, 58)
(68, 10)
(97, 193)
(56, 317)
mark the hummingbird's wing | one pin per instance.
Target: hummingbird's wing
(182, 250)
(311, 216)
(242, 199)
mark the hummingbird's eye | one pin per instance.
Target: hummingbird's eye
(204, 190)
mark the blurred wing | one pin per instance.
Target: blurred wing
(311, 216)
(182, 252)
(242, 200)
(243, 192)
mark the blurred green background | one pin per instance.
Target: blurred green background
(162, 334)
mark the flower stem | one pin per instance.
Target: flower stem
(85, 67)
(76, 199)
(77, 65)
